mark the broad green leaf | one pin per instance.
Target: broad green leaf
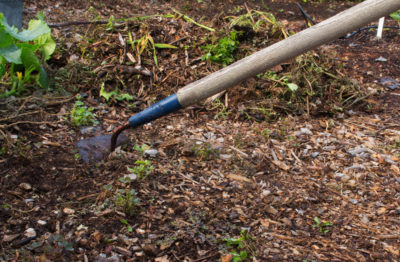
(46, 45)
(107, 95)
(5, 38)
(121, 97)
(11, 53)
(43, 79)
(292, 87)
(161, 45)
(35, 29)
(29, 59)
(31, 47)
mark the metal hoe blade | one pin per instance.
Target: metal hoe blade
(96, 148)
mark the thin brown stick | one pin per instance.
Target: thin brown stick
(29, 122)
(78, 23)
(16, 116)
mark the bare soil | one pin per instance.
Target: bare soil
(215, 176)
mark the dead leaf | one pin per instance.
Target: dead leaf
(227, 258)
(381, 211)
(395, 169)
(239, 178)
(391, 249)
(162, 259)
(280, 164)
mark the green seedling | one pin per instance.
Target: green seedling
(240, 246)
(147, 42)
(127, 201)
(322, 226)
(223, 52)
(125, 222)
(142, 168)
(205, 151)
(19, 60)
(141, 148)
(223, 111)
(283, 81)
(58, 242)
(80, 115)
(114, 94)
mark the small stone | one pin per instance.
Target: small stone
(266, 192)
(42, 222)
(132, 177)
(68, 211)
(353, 201)
(305, 131)
(140, 231)
(151, 152)
(29, 200)
(89, 129)
(315, 154)
(329, 148)
(381, 59)
(25, 186)
(30, 232)
(220, 140)
(73, 57)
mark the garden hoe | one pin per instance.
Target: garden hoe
(96, 148)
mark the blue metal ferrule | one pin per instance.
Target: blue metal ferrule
(162, 108)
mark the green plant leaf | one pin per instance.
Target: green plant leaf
(46, 45)
(11, 53)
(161, 45)
(5, 38)
(105, 94)
(29, 59)
(396, 15)
(35, 28)
(292, 87)
(43, 78)
(121, 97)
